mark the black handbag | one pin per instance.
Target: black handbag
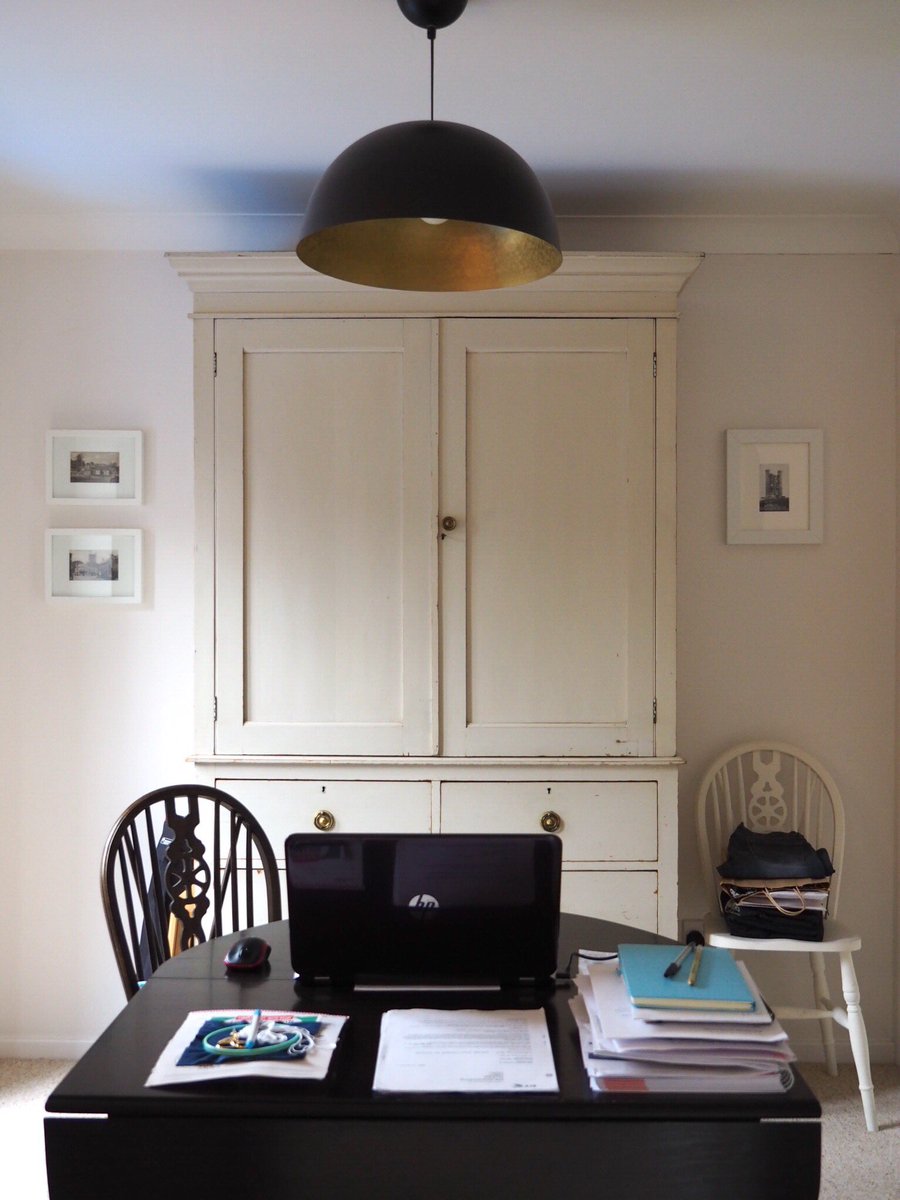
(774, 885)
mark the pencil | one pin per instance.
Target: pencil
(695, 967)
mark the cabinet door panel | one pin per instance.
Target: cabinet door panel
(325, 510)
(547, 464)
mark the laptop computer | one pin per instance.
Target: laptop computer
(424, 909)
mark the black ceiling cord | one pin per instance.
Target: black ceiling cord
(432, 15)
(432, 34)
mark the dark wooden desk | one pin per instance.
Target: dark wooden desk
(254, 1139)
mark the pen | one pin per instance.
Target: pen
(692, 978)
(252, 1031)
(672, 968)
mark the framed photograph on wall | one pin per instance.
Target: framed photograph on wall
(94, 466)
(775, 485)
(94, 564)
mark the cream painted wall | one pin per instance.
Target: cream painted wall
(793, 641)
(96, 700)
(796, 642)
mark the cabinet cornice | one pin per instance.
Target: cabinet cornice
(587, 283)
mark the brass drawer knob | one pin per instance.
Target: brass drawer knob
(551, 822)
(324, 820)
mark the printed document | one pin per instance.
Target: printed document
(465, 1050)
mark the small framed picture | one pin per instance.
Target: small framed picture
(775, 485)
(94, 564)
(94, 466)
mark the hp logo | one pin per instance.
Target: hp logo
(423, 900)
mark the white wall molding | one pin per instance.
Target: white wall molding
(155, 232)
(232, 232)
(836, 234)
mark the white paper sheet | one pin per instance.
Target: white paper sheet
(313, 1065)
(465, 1050)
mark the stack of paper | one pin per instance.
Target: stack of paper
(791, 900)
(631, 1047)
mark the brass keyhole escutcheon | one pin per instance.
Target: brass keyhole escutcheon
(551, 822)
(324, 820)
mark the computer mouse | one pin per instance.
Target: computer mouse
(247, 954)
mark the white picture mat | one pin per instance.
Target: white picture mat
(87, 546)
(795, 458)
(126, 444)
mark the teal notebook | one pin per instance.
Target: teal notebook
(719, 984)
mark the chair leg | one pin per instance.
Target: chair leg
(859, 1042)
(823, 1001)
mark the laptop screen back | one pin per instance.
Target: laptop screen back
(423, 908)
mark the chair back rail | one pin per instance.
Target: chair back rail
(182, 864)
(769, 786)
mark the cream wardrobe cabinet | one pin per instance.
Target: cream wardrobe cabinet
(435, 559)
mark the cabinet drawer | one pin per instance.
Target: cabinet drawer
(599, 822)
(627, 897)
(285, 806)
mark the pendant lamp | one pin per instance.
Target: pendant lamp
(430, 205)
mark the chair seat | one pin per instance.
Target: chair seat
(838, 938)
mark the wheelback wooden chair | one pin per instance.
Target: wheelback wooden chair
(772, 786)
(183, 864)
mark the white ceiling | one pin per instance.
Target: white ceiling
(676, 107)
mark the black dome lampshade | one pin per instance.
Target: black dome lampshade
(430, 205)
